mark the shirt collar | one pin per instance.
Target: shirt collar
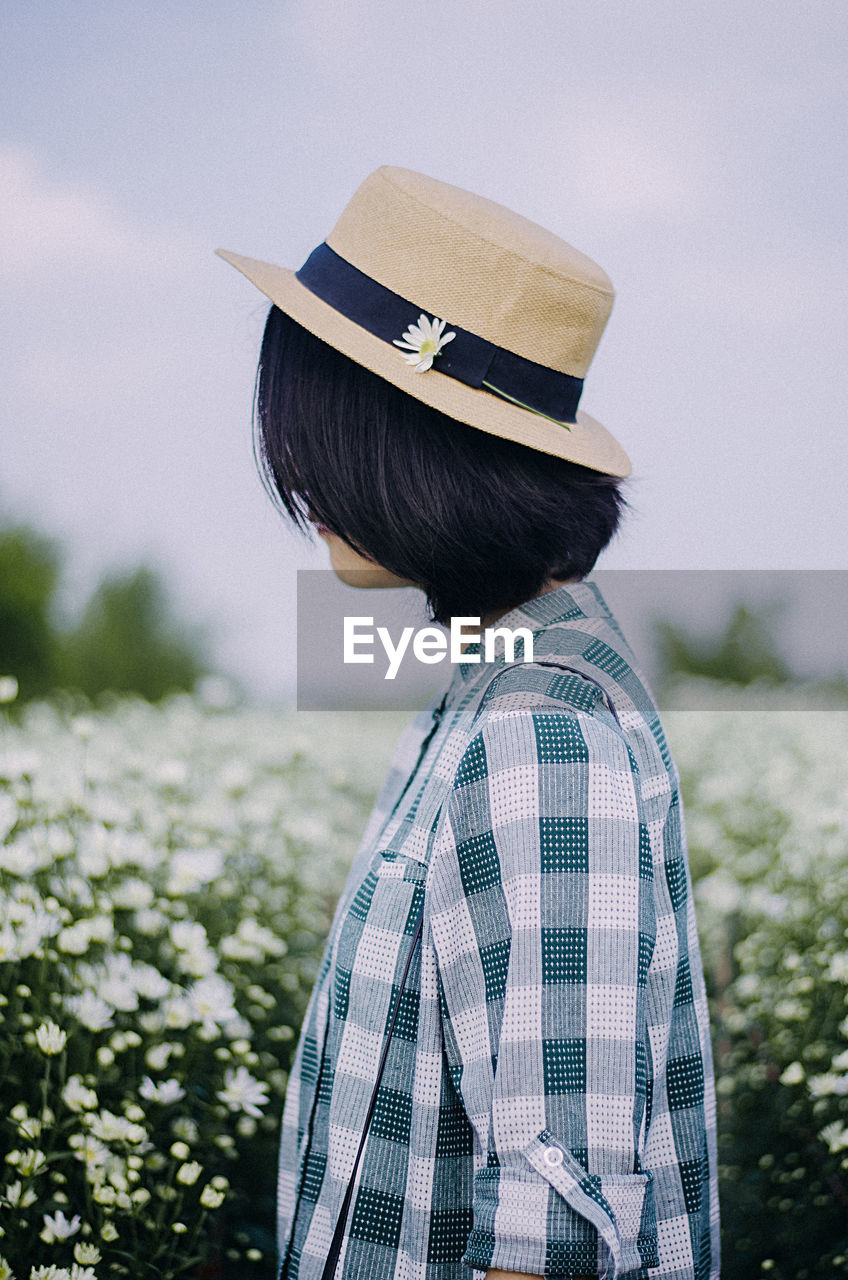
(571, 600)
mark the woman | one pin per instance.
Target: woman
(517, 933)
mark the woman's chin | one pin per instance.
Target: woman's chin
(357, 570)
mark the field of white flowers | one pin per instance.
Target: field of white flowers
(166, 878)
(766, 807)
(167, 874)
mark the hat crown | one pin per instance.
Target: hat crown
(477, 265)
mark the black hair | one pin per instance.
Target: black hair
(478, 522)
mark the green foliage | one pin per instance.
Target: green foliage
(767, 828)
(127, 639)
(743, 652)
(30, 648)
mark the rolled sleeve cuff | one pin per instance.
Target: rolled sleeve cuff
(550, 1217)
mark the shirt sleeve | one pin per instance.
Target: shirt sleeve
(543, 924)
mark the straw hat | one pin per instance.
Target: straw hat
(462, 304)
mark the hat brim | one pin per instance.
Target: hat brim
(585, 442)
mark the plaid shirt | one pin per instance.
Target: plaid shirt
(548, 1103)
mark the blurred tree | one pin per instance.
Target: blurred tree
(128, 640)
(30, 648)
(744, 651)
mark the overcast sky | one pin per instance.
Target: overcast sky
(696, 152)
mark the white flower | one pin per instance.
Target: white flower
(242, 1092)
(94, 1014)
(794, 1074)
(211, 1001)
(195, 956)
(826, 1084)
(149, 982)
(8, 688)
(50, 1038)
(188, 1173)
(58, 1227)
(101, 847)
(6, 1272)
(119, 982)
(27, 922)
(19, 858)
(177, 1014)
(835, 1135)
(251, 941)
(188, 935)
(424, 340)
(210, 1198)
(74, 940)
(29, 1128)
(108, 1127)
(192, 868)
(111, 1128)
(186, 1128)
(166, 1092)
(790, 1010)
(50, 1273)
(28, 1163)
(157, 1056)
(113, 981)
(88, 1254)
(78, 937)
(8, 946)
(90, 1150)
(17, 1198)
(148, 920)
(838, 968)
(133, 894)
(8, 814)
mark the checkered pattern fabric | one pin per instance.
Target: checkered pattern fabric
(547, 1105)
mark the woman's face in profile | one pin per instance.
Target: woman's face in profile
(353, 569)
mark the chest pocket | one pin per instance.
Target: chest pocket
(373, 941)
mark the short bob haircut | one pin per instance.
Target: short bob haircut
(478, 522)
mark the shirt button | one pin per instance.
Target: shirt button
(553, 1157)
